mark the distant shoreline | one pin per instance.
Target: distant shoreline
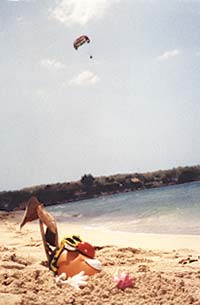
(93, 187)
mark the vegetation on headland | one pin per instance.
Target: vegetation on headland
(90, 187)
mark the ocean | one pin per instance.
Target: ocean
(165, 210)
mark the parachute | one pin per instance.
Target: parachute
(80, 41)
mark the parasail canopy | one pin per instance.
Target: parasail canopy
(80, 41)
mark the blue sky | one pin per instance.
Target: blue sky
(133, 107)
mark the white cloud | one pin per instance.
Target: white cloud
(52, 64)
(41, 93)
(18, 0)
(80, 12)
(84, 78)
(197, 53)
(168, 54)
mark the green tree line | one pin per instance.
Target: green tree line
(89, 186)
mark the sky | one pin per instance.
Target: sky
(133, 107)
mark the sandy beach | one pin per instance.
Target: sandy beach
(155, 261)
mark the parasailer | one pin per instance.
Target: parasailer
(80, 41)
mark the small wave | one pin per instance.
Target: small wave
(76, 215)
(60, 215)
(163, 210)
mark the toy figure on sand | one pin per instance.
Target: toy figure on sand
(72, 260)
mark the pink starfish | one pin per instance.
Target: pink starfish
(123, 280)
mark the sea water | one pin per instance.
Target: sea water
(170, 210)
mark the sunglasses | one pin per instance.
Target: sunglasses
(73, 240)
